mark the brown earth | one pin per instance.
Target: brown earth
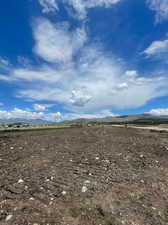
(84, 176)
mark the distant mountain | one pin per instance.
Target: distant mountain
(137, 118)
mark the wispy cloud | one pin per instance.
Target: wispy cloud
(44, 73)
(55, 43)
(6, 78)
(48, 6)
(4, 62)
(157, 48)
(80, 75)
(81, 7)
(160, 7)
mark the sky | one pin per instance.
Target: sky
(68, 59)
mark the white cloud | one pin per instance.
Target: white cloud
(79, 97)
(48, 6)
(55, 43)
(87, 83)
(17, 113)
(6, 78)
(159, 112)
(160, 7)
(42, 107)
(97, 82)
(39, 107)
(122, 86)
(23, 114)
(82, 6)
(42, 74)
(157, 48)
(131, 73)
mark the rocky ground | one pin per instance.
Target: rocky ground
(84, 176)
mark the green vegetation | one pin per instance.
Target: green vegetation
(40, 128)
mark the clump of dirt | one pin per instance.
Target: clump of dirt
(84, 176)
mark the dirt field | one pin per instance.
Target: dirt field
(84, 176)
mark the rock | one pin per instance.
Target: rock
(20, 181)
(63, 192)
(9, 217)
(84, 189)
(87, 182)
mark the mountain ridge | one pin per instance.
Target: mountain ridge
(108, 119)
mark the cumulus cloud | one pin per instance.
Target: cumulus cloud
(80, 97)
(160, 7)
(48, 6)
(157, 48)
(55, 43)
(29, 115)
(81, 6)
(159, 112)
(17, 113)
(42, 107)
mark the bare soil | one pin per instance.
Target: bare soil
(84, 176)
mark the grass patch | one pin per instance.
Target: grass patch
(33, 129)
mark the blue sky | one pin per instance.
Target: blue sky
(65, 59)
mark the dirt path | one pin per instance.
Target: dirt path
(157, 128)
